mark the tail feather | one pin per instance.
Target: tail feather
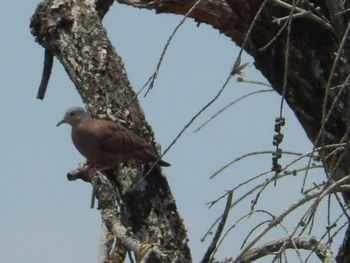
(163, 163)
(150, 156)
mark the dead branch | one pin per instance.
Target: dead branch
(309, 243)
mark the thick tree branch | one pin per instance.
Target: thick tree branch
(72, 31)
(106, 196)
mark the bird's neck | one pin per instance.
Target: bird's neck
(83, 120)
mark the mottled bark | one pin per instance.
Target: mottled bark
(72, 31)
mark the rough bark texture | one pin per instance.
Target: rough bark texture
(72, 31)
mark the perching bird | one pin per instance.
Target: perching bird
(106, 143)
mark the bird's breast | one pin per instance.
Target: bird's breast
(88, 145)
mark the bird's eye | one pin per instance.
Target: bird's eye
(72, 114)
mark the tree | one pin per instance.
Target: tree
(300, 48)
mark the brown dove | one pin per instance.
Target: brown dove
(106, 143)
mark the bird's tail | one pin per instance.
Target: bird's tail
(163, 163)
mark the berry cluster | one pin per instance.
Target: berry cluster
(277, 139)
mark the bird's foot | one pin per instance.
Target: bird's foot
(84, 172)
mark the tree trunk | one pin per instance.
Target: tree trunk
(72, 31)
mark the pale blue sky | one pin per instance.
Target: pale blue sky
(45, 218)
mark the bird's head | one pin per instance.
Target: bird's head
(74, 116)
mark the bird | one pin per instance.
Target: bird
(106, 143)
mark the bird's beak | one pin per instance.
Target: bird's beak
(61, 122)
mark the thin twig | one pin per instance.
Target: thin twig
(218, 232)
(248, 155)
(332, 188)
(273, 223)
(264, 184)
(252, 231)
(324, 235)
(307, 14)
(342, 12)
(156, 71)
(329, 214)
(229, 105)
(240, 199)
(293, 243)
(241, 219)
(188, 124)
(274, 37)
(211, 203)
(339, 229)
(310, 243)
(233, 205)
(239, 79)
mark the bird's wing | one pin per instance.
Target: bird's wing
(114, 138)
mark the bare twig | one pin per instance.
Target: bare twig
(231, 104)
(152, 79)
(283, 248)
(248, 215)
(197, 114)
(338, 230)
(307, 14)
(334, 7)
(328, 229)
(248, 155)
(213, 245)
(263, 48)
(188, 124)
(331, 189)
(273, 223)
(257, 15)
(342, 12)
(251, 191)
(251, 231)
(264, 184)
(233, 205)
(309, 243)
(253, 82)
(310, 212)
